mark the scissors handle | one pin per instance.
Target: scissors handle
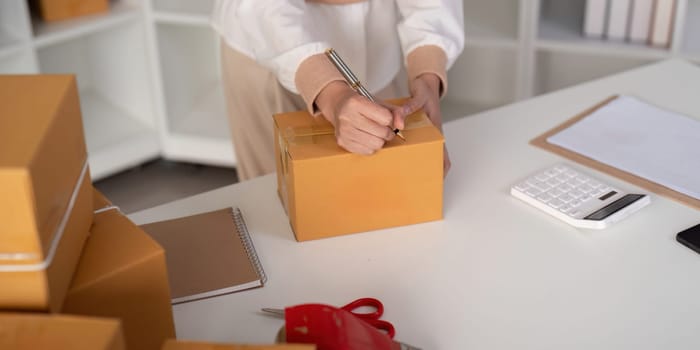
(382, 325)
(369, 302)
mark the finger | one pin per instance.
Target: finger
(379, 114)
(369, 126)
(397, 115)
(446, 163)
(354, 147)
(413, 104)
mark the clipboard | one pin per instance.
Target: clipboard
(541, 142)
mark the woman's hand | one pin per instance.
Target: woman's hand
(425, 94)
(361, 126)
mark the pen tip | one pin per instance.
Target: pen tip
(399, 134)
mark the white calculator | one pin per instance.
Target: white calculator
(577, 198)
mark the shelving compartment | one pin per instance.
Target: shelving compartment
(197, 125)
(115, 94)
(491, 23)
(560, 27)
(482, 78)
(557, 70)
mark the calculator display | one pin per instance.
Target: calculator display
(614, 207)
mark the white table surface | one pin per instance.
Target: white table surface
(496, 273)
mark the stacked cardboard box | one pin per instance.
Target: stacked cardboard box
(56, 253)
(57, 10)
(122, 274)
(58, 332)
(45, 190)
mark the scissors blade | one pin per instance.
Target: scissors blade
(276, 312)
(405, 346)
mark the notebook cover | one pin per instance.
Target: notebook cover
(541, 141)
(207, 255)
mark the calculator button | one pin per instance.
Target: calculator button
(565, 208)
(575, 193)
(522, 186)
(544, 198)
(575, 203)
(593, 183)
(585, 188)
(564, 188)
(551, 172)
(532, 192)
(555, 203)
(541, 177)
(555, 192)
(565, 198)
(552, 182)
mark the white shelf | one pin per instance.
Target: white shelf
(184, 7)
(56, 32)
(112, 70)
(197, 125)
(207, 118)
(115, 140)
(19, 61)
(556, 35)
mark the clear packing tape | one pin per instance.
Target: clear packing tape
(293, 136)
(55, 240)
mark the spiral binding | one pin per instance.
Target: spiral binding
(248, 243)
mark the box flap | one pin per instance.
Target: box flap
(115, 243)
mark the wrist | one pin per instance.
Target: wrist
(329, 96)
(432, 81)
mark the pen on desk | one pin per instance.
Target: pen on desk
(353, 81)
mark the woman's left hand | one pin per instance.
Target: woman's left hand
(425, 94)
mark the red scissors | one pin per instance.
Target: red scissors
(329, 327)
(371, 317)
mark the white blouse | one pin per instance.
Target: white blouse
(373, 37)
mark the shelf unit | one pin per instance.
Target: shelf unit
(150, 82)
(542, 48)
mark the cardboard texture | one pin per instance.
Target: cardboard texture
(122, 274)
(328, 191)
(59, 332)
(57, 10)
(45, 197)
(173, 344)
(541, 141)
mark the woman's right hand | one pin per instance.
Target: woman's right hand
(361, 126)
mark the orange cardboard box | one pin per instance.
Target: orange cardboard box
(45, 190)
(58, 332)
(56, 10)
(122, 274)
(173, 344)
(328, 191)
(100, 202)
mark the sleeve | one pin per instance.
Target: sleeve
(432, 36)
(279, 36)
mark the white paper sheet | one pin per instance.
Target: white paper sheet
(632, 135)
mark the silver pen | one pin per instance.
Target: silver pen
(353, 81)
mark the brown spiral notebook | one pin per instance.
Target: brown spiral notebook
(208, 254)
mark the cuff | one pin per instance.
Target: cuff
(313, 74)
(428, 59)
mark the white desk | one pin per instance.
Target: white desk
(495, 273)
